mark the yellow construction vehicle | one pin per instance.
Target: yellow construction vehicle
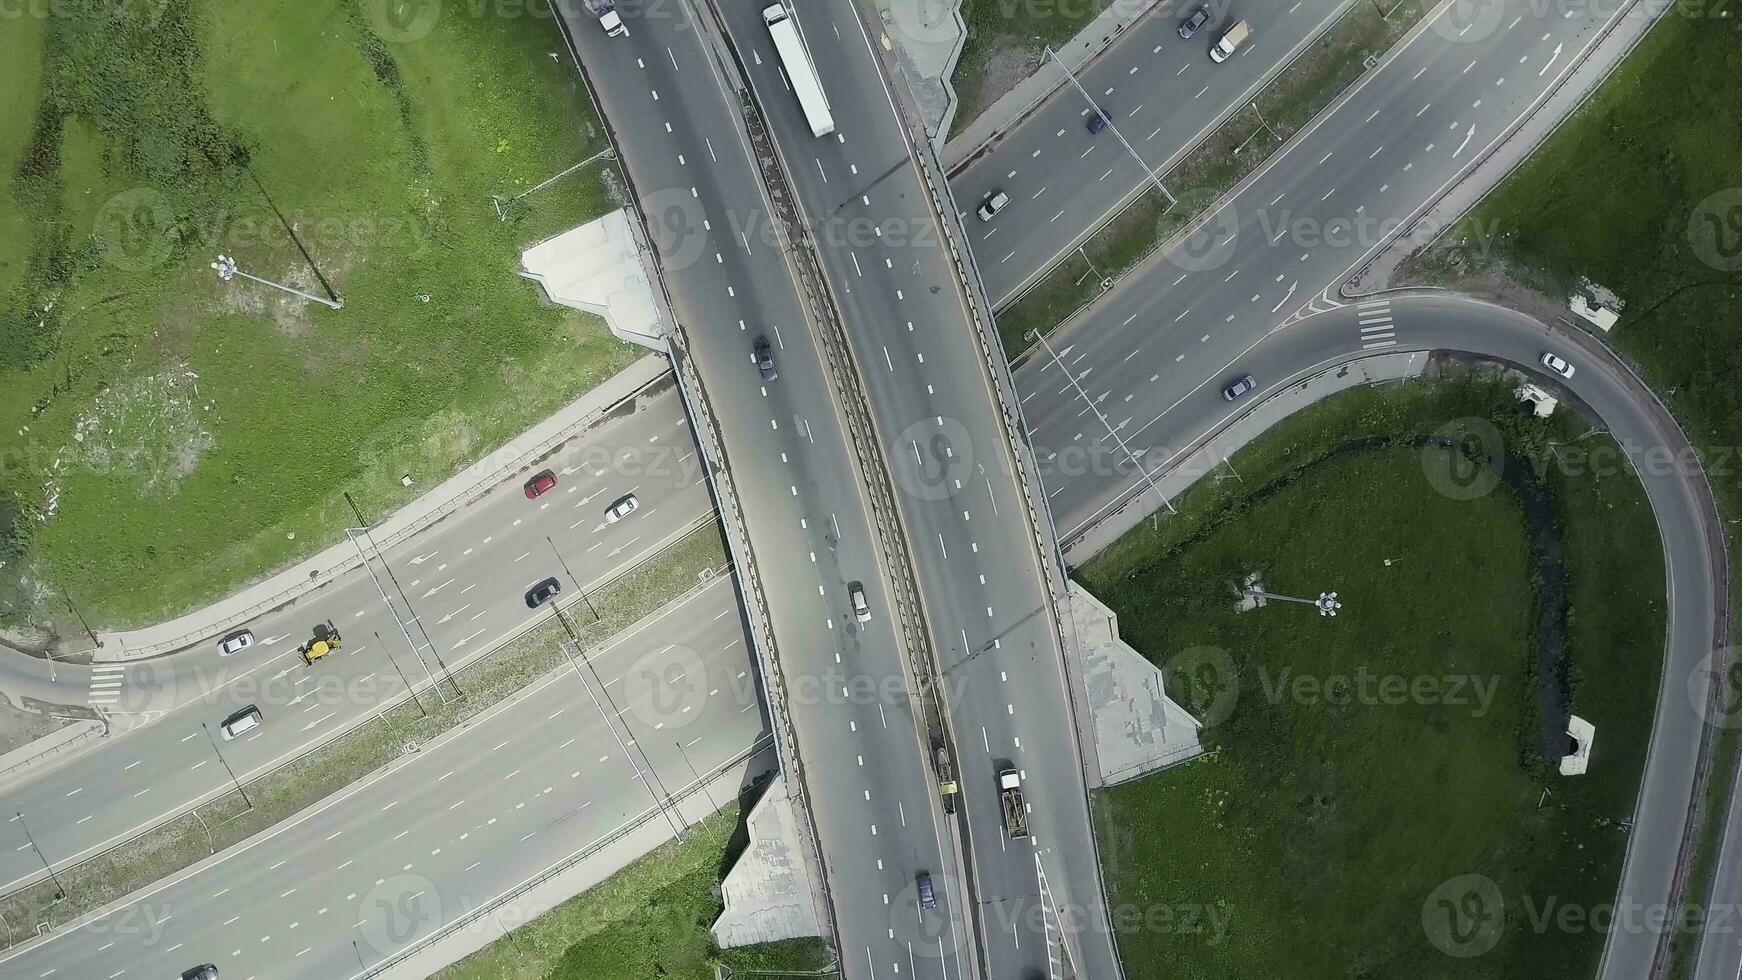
(326, 640)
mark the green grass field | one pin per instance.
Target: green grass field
(1312, 839)
(167, 436)
(1007, 42)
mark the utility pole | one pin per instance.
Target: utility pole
(402, 596)
(226, 269)
(226, 764)
(1327, 603)
(578, 586)
(661, 798)
(59, 892)
(408, 688)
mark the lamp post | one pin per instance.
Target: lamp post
(59, 892)
(226, 269)
(1327, 603)
(578, 586)
(226, 764)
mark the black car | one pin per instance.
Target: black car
(1097, 122)
(1199, 18)
(765, 359)
(540, 593)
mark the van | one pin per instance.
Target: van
(1230, 42)
(241, 723)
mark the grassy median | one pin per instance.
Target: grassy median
(1333, 815)
(376, 741)
(166, 436)
(1226, 156)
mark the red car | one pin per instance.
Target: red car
(538, 485)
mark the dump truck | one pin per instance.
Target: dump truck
(1015, 810)
(326, 640)
(606, 11)
(947, 788)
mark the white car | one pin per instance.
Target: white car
(994, 203)
(856, 593)
(235, 643)
(241, 723)
(1556, 363)
(620, 508)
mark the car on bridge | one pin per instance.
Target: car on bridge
(763, 355)
(1190, 25)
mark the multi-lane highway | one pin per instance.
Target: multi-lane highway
(466, 580)
(677, 125)
(942, 436)
(390, 860)
(1161, 93)
(1136, 381)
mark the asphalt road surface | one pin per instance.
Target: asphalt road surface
(466, 578)
(1161, 93)
(389, 861)
(940, 429)
(789, 451)
(1133, 382)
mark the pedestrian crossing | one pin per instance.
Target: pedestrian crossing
(1377, 329)
(106, 681)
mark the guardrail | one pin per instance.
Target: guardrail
(321, 577)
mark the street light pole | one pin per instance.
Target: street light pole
(408, 688)
(402, 596)
(578, 586)
(59, 892)
(1327, 603)
(661, 797)
(1110, 430)
(226, 763)
(226, 269)
(349, 532)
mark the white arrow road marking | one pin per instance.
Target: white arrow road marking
(274, 639)
(468, 639)
(1291, 288)
(1556, 53)
(437, 588)
(620, 548)
(1468, 134)
(317, 721)
(444, 620)
(420, 559)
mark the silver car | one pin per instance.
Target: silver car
(620, 508)
(856, 593)
(241, 723)
(235, 643)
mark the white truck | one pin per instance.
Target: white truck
(801, 73)
(606, 11)
(1230, 42)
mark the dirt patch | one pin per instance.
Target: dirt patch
(19, 728)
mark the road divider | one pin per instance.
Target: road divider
(397, 726)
